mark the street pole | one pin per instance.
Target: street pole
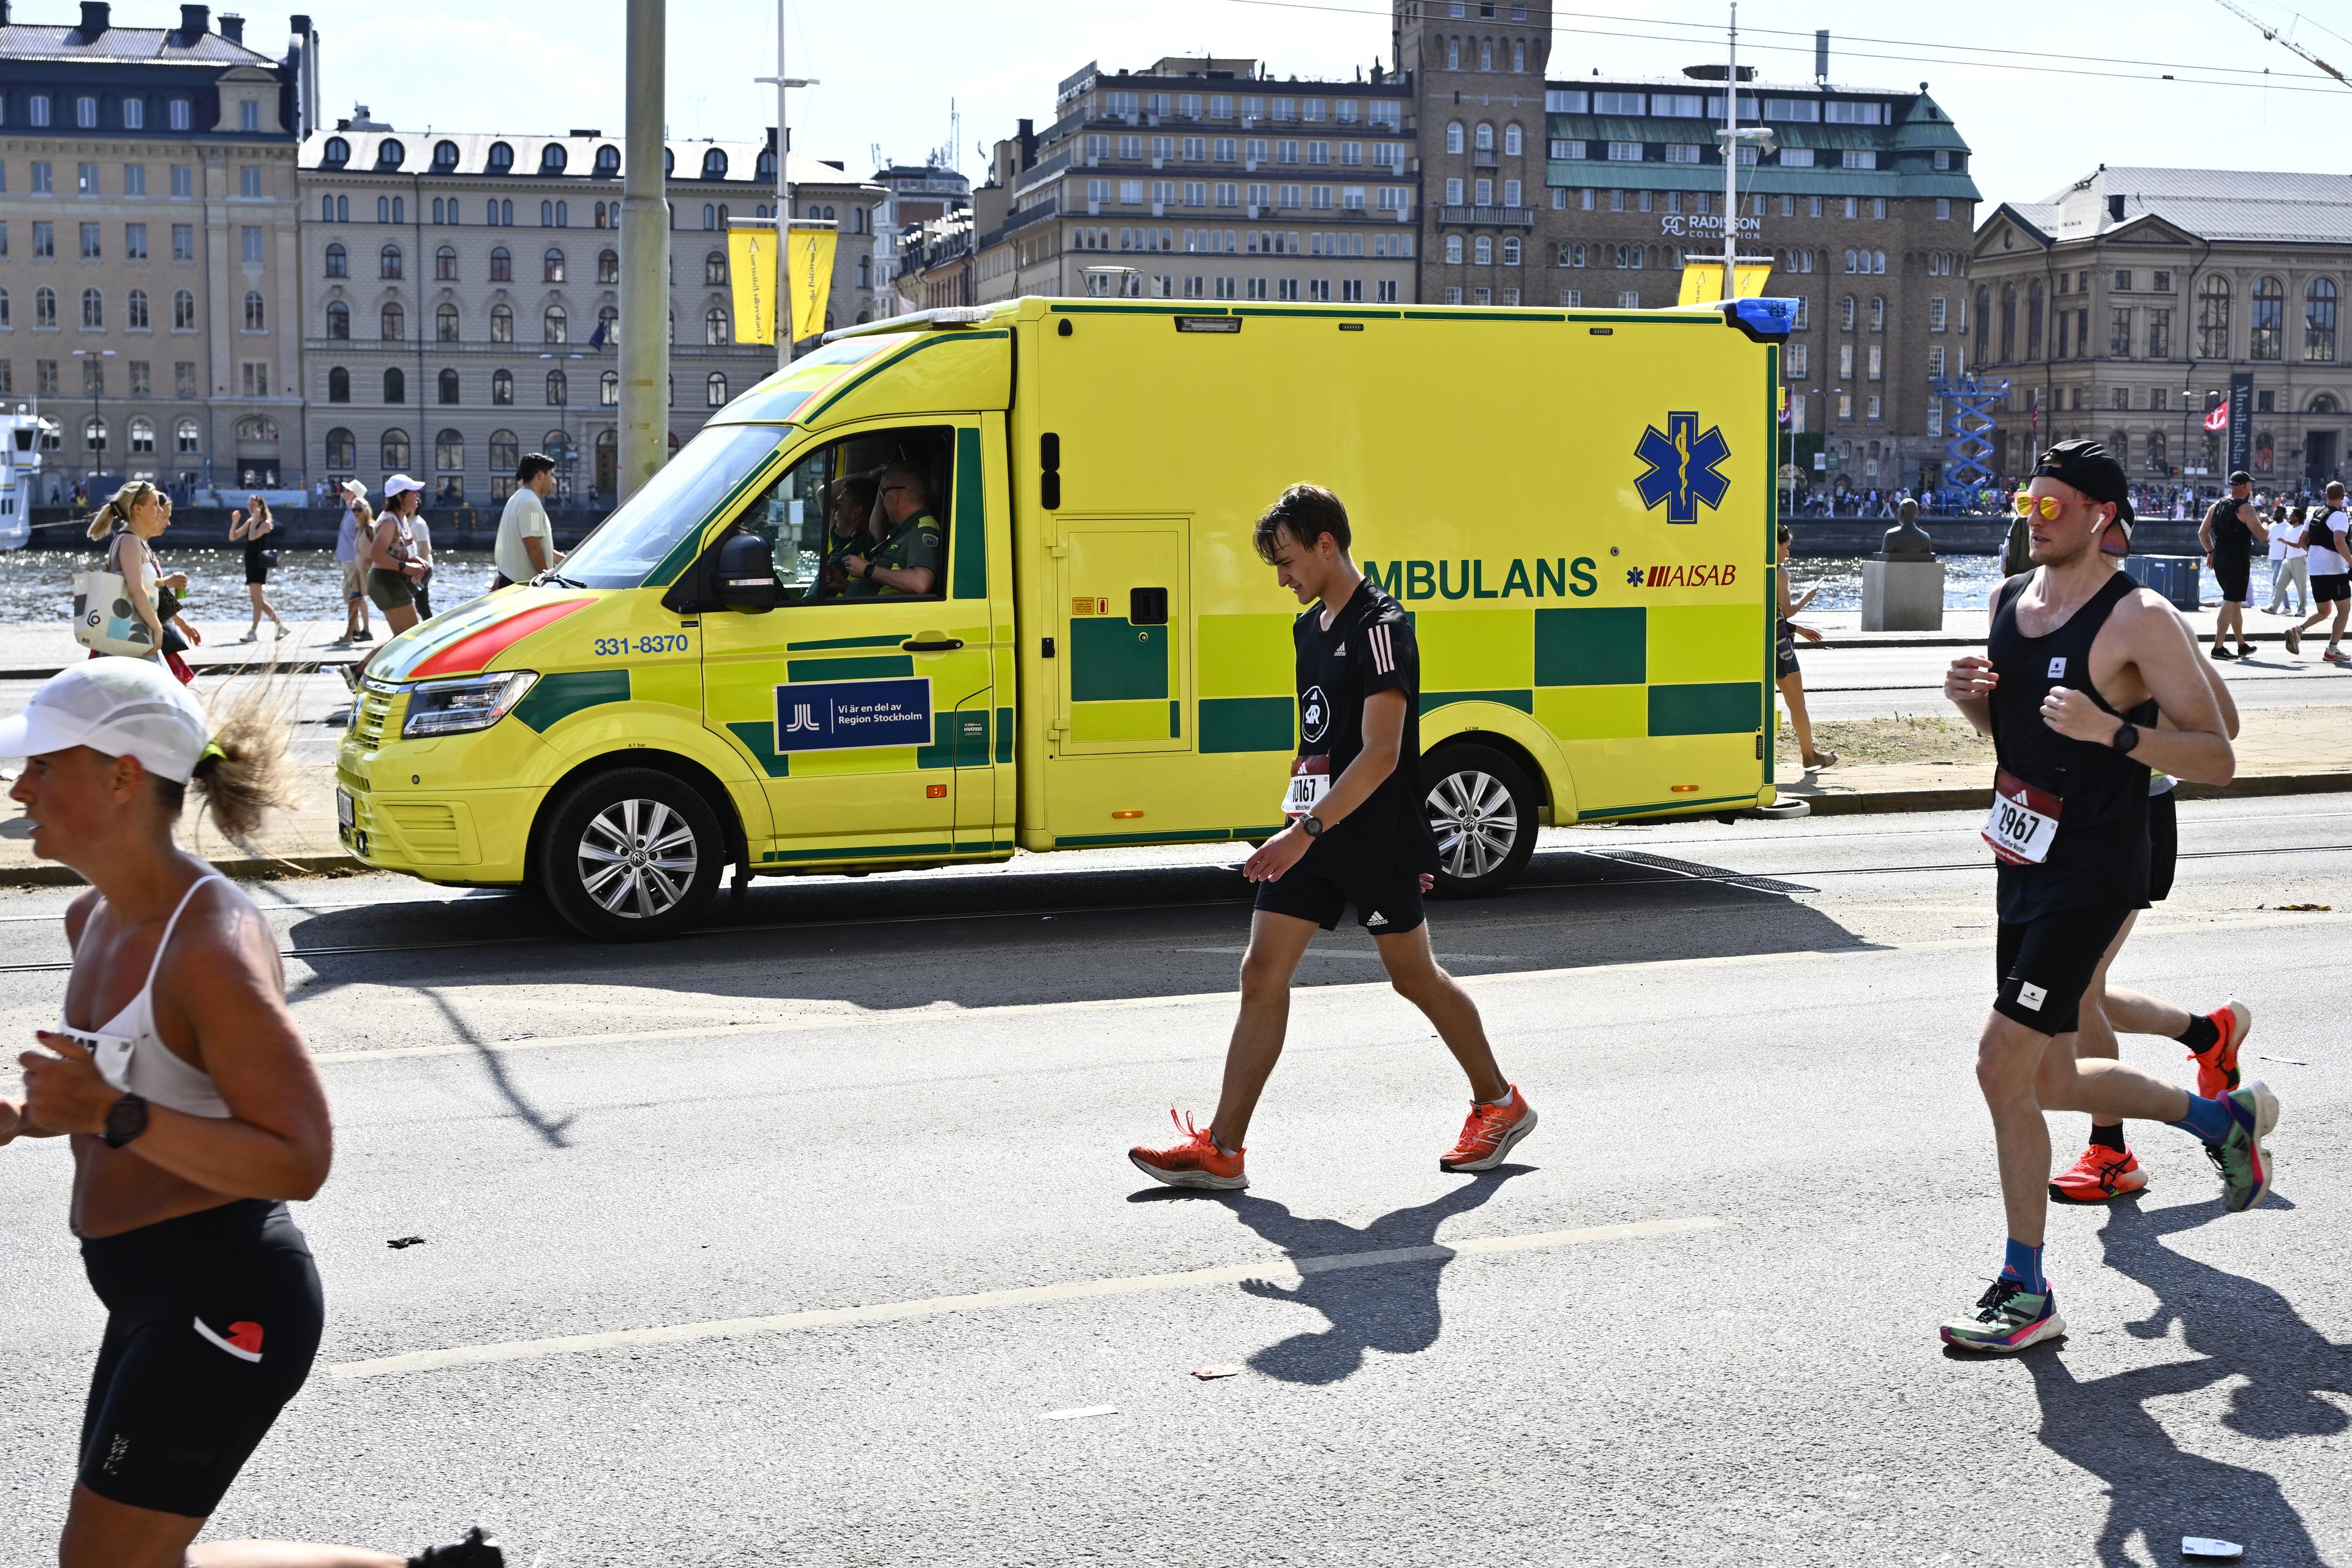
(645, 259)
(1731, 157)
(783, 297)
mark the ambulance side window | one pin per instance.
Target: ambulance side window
(830, 507)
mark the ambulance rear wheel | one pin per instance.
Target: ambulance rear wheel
(1482, 808)
(632, 854)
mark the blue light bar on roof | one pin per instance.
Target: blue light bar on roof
(1765, 320)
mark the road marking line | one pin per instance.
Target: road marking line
(1280, 1271)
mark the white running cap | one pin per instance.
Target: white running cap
(401, 484)
(118, 707)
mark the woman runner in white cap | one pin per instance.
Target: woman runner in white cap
(195, 1113)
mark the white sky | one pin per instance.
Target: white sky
(889, 70)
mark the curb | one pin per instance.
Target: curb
(1971, 797)
(244, 868)
(1945, 639)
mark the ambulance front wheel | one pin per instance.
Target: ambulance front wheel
(1482, 807)
(632, 854)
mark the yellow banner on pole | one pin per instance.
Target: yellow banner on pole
(1703, 281)
(752, 258)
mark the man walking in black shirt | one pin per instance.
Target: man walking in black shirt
(2231, 531)
(1357, 834)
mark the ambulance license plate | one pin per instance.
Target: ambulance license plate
(345, 813)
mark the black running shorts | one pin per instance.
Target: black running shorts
(2046, 965)
(1784, 653)
(2163, 844)
(1387, 898)
(2232, 575)
(213, 1320)
(2330, 587)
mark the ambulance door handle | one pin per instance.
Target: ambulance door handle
(943, 644)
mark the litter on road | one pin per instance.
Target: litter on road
(1080, 1413)
(2207, 1547)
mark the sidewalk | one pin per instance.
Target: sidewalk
(38, 649)
(298, 842)
(2281, 751)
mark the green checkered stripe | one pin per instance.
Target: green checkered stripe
(1596, 673)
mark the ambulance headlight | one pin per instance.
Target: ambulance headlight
(461, 707)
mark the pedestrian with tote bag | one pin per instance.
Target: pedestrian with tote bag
(130, 607)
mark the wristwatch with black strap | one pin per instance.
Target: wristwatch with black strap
(1311, 826)
(2126, 737)
(126, 1118)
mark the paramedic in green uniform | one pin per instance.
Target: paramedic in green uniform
(906, 564)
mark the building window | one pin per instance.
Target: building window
(93, 314)
(445, 264)
(501, 324)
(445, 323)
(1624, 151)
(2266, 338)
(557, 391)
(501, 392)
(394, 324)
(396, 386)
(608, 389)
(337, 262)
(449, 451)
(249, 116)
(2319, 321)
(387, 263)
(2213, 317)
(1936, 314)
(1453, 251)
(714, 391)
(134, 315)
(184, 311)
(551, 266)
(256, 312)
(393, 449)
(554, 324)
(1482, 251)
(2159, 334)
(339, 320)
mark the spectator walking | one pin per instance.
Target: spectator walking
(526, 541)
(351, 555)
(2331, 576)
(138, 513)
(249, 527)
(1791, 682)
(2291, 562)
(422, 531)
(392, 566)
(2228, 535)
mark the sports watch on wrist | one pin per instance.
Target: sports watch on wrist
(125, 1120)
(868, 573)
(2126, 737)
(1311, 826)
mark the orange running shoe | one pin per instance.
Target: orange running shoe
(1194, 1162)
(2101, 1174)
(1490, 1134)
(2217, 1065)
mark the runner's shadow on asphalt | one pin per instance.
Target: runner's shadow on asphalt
(1392, 1308)
(2238, 1328)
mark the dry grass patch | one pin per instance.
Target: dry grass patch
(1905, 738)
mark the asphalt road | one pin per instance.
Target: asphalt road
(1876, 682)
(884, 1122)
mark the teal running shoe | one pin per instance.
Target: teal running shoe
(2244, 1165)
(2007, 1319)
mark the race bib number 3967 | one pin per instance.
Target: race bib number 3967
(2023, 821)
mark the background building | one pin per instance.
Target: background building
(1590, 190)
(914, 194)
(1204, 179)
(462, 291)
(2122, 306)
(148, 276)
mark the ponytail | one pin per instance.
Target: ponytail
(245, 773)
(117, 510)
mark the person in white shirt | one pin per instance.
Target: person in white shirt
(526, 541)
(2289, 561)
(2330, 559)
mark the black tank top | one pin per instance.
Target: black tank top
(2100, 856)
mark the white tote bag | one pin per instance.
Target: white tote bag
(104, 619)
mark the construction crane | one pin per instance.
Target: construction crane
(2274, 35)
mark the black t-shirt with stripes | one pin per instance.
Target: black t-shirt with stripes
(1367, 647)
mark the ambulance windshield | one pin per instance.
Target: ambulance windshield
(674, 503)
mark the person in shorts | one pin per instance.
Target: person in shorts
(1359, 836)
(350, 559)
(2079, 665)
(2330, 558)
(2107, 1168)
(1785, 669)
(392, 565)
(2231, 531)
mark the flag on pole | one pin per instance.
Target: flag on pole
(751, 256)
(2218, 418)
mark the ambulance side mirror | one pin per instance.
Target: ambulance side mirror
(745, 573)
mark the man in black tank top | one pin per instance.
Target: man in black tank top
(2231, 531)
(2081, 661)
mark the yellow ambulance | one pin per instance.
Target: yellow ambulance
(1577, 507)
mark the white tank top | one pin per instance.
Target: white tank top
(133, 1057)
